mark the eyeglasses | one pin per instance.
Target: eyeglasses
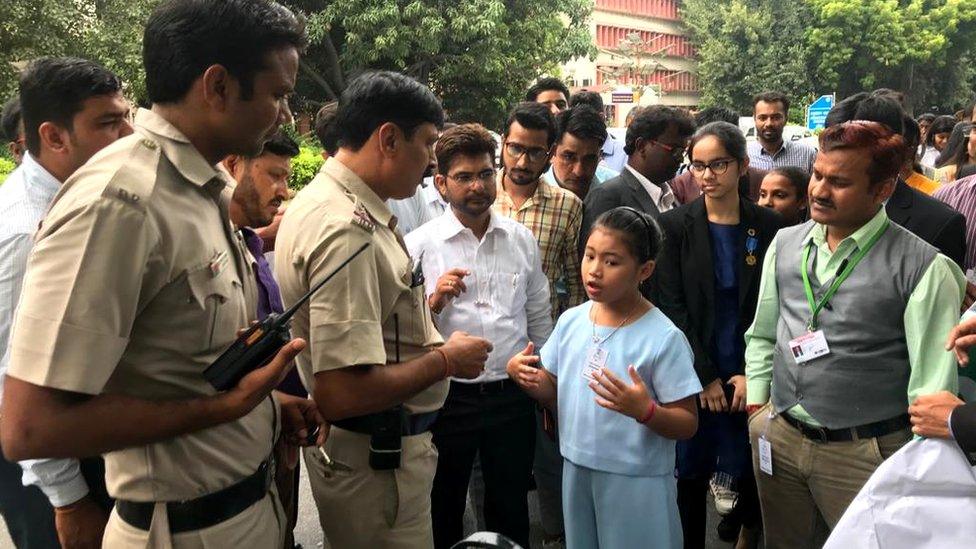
(465, 178)
(676, 151)
(536, 154)
(718, 167)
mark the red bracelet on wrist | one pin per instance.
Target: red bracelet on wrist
(448, 371)
(650, 413)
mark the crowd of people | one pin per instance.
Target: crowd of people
(621, 324)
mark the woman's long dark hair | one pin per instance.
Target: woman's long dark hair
(942, 124)
(957, 148)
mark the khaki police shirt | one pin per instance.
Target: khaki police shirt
(368, 313)
(136, 284)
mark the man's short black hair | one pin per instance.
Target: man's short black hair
(54, 89)
(185, 37)
(546, 84)
(582, 122)
(897, 96)
(533, 116)
(653, 121)
(845, 110)
(772, 97)
(325, 126)
(281, 145)
(10, 119)
(879, 108)
(716, 114)
(375, 98)
(926, 117)
(587, 97)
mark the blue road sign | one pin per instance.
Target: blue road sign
(817, 112)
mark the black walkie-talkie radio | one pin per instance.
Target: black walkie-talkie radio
(259, 344)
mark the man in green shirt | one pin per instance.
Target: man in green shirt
(850, 327)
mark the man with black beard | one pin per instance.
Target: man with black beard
(255, 209)
(554, 215)
(482, 276)
(655, 145)
(769, 151)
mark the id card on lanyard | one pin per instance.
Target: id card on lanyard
(813, 344)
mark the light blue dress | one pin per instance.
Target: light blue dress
(618, 476)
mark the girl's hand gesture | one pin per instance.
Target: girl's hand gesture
(614, 394)
(524, 368)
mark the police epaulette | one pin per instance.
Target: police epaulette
(362, 219)
(134, 181)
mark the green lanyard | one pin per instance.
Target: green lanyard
(847, 266)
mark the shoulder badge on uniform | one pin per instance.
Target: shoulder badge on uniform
(135, 176)
(362, 219)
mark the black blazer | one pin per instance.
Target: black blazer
(623, 190)
(930, 220)
(964, 427)
(684, 282)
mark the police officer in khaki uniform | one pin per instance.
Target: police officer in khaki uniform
(137, 283)
(375, 363)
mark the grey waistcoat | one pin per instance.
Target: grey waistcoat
(864, 379)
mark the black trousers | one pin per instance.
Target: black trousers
(27, 511)
(499, 426)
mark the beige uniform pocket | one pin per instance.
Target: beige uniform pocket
(213, 293)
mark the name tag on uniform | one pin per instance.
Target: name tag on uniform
(596, 359)
(809, 346)
(765, 456)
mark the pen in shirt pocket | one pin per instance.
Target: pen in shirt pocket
(515, 278)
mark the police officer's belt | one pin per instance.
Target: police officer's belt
(204, 511)
(410, 424)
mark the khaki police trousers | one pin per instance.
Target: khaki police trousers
(363, 508)
(260, 525)
(812, 483)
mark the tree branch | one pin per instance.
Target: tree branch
(318, 79)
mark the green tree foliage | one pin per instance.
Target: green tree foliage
(107, 31)
(305, 166)
(844, 46)
(748, 46)
(478, 55)
(6, 166)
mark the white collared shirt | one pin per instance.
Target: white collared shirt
(24, 199)
(661, 195)
(507, 297)
(425, 204)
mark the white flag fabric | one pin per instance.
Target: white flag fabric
(923, 496)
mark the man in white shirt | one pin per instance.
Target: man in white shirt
(426, 204)
(71, 109)
(656, 142)
(483, 275)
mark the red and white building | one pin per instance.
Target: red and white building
(666, 73)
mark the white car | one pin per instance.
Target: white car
(790, 133)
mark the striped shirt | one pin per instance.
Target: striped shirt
(797, 155)
(961, 195)
(554, 216)
(24, 199)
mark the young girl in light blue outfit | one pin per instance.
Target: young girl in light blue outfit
(621, 377)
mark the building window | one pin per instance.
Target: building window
(586, 82)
